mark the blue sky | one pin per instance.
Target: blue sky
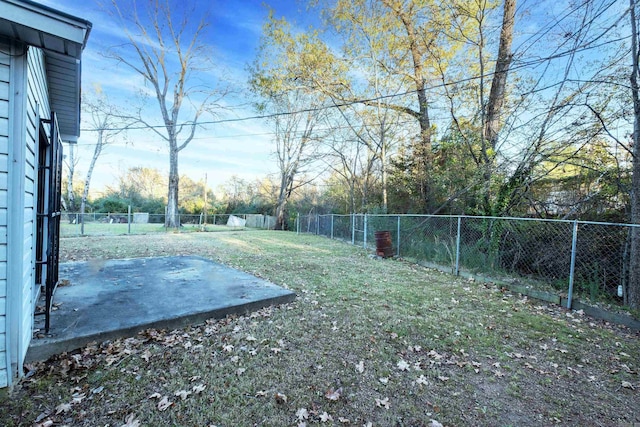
(244, 148)
(220, 151)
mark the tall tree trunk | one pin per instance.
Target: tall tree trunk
(286, 182)
(499, 82)
(634, 259)
(172, 218)
(422, 150)
(71, 198)
(496, 100)
(383, 166)
(87, 180)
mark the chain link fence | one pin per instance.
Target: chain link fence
(579, 260)
(104, 224)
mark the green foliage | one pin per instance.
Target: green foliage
(111, 203)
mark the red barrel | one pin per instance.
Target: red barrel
(384, 248)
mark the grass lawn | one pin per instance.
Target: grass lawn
(367, 342)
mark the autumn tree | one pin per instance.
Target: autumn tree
(295, 112)
(352, 170)
(394, 48)
(166, 47)
(143, 182)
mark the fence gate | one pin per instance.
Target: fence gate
(48, 214)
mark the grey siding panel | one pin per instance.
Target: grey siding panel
(37, 107)
(5, 73)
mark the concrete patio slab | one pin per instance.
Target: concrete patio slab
(118, 298)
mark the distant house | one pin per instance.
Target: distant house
(40, 50)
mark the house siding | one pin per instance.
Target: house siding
(4, 183)
(27, 86)
(37, 108)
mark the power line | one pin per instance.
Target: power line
(440, 85)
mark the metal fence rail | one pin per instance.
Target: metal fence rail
(575, 259)
(138, 223)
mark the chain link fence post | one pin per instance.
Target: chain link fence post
(458, 246)
(298, 223)
(364, 237)
(572, 270)
(398, 239)
(353, 229)
(332, 226)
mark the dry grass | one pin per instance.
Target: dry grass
(404, 345)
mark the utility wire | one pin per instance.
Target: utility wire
(516, 66)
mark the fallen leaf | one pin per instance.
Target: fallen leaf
(333, 394)
(228, 348)
(422, 380)
(280, 398)
(324, 417)
(250, 338)
(45, 423)
(97, 390)
(344, 420)
(383, 380)
(183, 394)
(131, 421)
(627, 384)
(240, 371)
(403, 365)
(77, 398)
(164, 404)
(443, 379)
(155, 396)
(360, 366)
(435, 423)
(63, 407)
(302, 414)
(199, 388)
(382, 403)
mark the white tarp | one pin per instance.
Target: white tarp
(141, 217)
(236, 221)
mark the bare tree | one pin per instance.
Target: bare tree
(71, 161)
(166, 48)
(103, 121)
(296, 145)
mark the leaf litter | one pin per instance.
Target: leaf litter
(447, 345)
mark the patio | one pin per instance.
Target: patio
(110, 299)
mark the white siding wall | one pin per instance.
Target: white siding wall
(37, 107)
(26, 82)
(4, 173)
